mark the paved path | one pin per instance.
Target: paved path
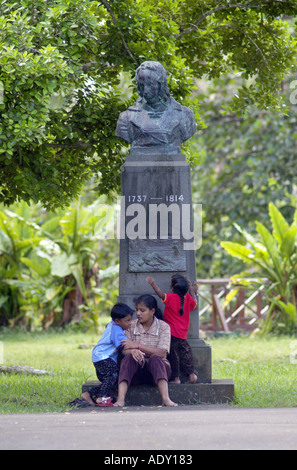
(153, 428)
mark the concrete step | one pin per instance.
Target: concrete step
(218, 391)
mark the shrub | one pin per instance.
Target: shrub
(273, 255)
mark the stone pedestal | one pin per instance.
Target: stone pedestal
(157, 235)
(156, 240)
(216, 392)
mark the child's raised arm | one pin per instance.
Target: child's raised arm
(193, 290)
(158, 291)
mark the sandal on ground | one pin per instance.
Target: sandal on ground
(78, 403)
(106, 401)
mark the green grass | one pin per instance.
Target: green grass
(262, 369)
(58, 353)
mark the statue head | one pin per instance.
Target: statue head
(151, 79)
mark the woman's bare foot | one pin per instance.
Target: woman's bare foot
(122, 390)
(169, 402)
(119, 403)
(86, 396)
(192, 379)
(175, 381)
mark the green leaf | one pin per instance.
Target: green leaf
(289, 309)
(239, 251)
(40, 265)
(279, 223)
(76, 270)
(288, 244)
(30, 242)
(52, 292)
(61, 265)
(271, 246)
(109, 272)
(70, 224)
(246, 235)
(230, 296)
(51, 224)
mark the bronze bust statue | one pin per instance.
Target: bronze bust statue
(156, 123)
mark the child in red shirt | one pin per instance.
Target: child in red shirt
(178, 305)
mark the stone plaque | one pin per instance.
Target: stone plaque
(148, 256)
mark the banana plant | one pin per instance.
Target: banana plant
(272, 255)
(46, 268)
(18, 238)
(78, 259)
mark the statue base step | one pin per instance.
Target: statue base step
(217, 392)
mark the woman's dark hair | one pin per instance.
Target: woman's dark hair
(120, 311)
(150, 302)
(180, 286)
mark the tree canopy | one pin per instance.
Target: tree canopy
(245, 163)
(60, 68)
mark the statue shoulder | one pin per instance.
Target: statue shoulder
(187, 120)
(135, 108)
(187, 112)
(123, 126)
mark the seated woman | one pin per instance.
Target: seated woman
(145, 351)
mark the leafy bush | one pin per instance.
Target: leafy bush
(274, 257)
(51, 271)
